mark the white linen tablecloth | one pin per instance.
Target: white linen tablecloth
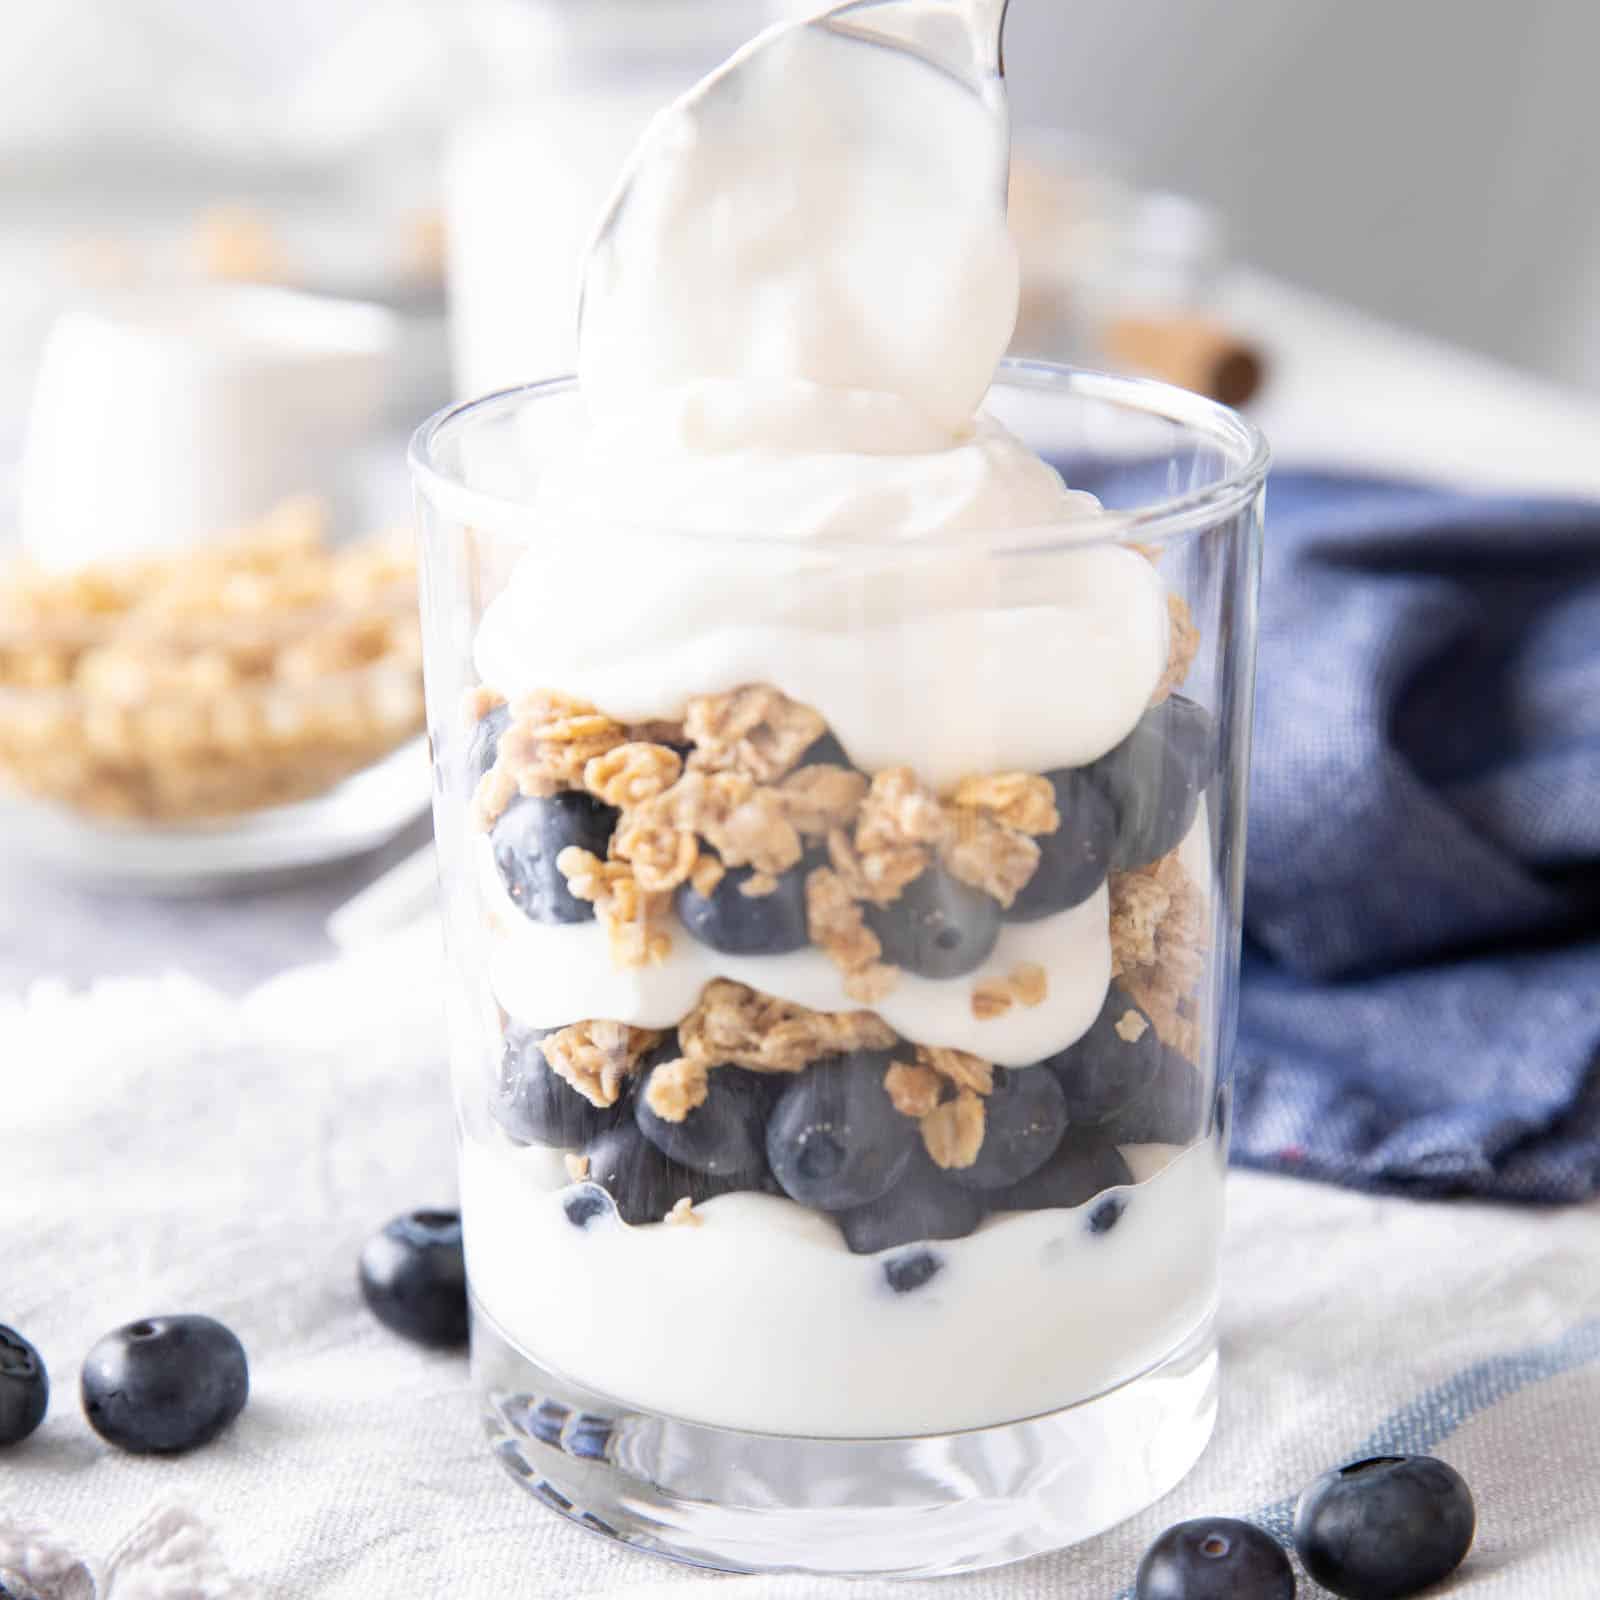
(164, 1148)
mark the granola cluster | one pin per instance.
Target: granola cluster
(952, 1133)
(634, 917)
(1183, 642)
(736, 1025)
(257, 670)
(754, 730)
(1025, 985)
(743, 1027)
(1160, 925)
(838, 927)
(677, 1087)
(943, 1092)
(1160, 933)
(744, 823)
(981, 833)
(598, 1058)
(546, 749)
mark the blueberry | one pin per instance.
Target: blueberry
(537, 1106)
(909, 1271)
(939, 927)
(1215, 1558)
(644, 1184)
(1170, 1109)
(24, 1387)
(1082, 1166)
(924, 1204)
(544, 1420)
(726, 1134)
(834, 1141)
(587, 1204)
(531, 833)
(1024, 1117)
(414, 1278)
(1154, 779)
(1384, 1528)
(739, 924)
(589, 1436)
(1113, 1064)
(1074, 860)
(165, 1384)
(483, 745)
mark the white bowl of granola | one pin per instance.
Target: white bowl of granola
(253, 704)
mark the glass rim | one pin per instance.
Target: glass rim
(1160, 521)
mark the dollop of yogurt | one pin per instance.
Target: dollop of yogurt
(827, 206)
(789, 324)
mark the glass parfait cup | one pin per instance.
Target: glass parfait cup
(842, 1134)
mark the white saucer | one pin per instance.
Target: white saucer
(196, 858)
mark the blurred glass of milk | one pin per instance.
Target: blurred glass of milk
(573, 83)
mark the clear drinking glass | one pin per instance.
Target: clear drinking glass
(780, 1238)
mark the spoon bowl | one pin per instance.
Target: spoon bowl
(827, 206)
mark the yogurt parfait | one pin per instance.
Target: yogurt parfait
(840, 817)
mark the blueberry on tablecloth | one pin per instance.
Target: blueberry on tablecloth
(24, 1387)
(165, 1384)
(414, 1278)
(1215, 1558)
(1385, 1528)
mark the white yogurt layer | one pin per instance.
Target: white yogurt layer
(547, 975)
(948, 659)
(762, 1319)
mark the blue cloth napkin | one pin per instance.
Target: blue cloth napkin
(1420, 1007)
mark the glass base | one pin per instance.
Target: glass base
(915, 1507)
